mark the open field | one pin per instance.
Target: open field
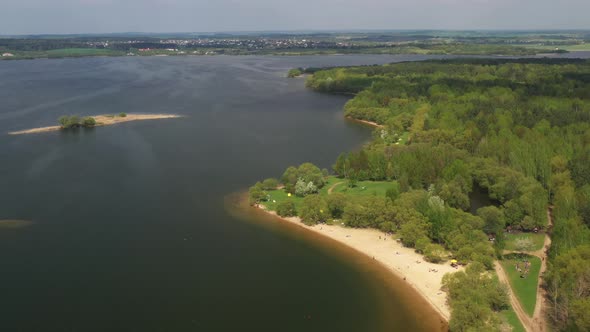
(362, 188)
(279, 195)
(525, 289)
(569, 47)
(511, 239)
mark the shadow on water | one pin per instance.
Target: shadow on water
(400, 306)
(479, 198)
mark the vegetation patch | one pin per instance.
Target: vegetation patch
(296, 72)
(74, 121)
(523, 274)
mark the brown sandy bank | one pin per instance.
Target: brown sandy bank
(403, 264)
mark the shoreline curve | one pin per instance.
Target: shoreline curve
(398, 260)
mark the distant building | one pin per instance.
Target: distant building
(7, 54)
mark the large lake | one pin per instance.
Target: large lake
(130, 231)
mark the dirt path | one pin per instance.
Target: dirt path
(539, 313)
(537, 322)
(526, 321)
(334, 186)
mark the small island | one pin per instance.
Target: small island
(68, 122)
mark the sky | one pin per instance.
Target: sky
(107, 16)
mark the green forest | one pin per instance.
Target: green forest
(518, 130)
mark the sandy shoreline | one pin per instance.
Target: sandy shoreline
(370, 123)
(391, 254)
(101, 120)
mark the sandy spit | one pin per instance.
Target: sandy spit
(101, 120)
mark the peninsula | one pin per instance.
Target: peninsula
(446, 133)
(100, 120)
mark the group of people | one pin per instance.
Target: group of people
(524, 270)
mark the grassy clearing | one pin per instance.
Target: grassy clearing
(576, 47)
(277, 196)
(525, 289)
(363, 188)
(579, 47)
(510, 317)
(404, 138)
(538, 240)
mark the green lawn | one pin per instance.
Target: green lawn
(277, 196)
(404, 138)
(363, 188)
(510, 316)
(577, 47)
(525, 289)
(537, 240)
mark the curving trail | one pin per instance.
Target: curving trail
(536, 323)
(526, 321)
(334, 186)
(539, 317)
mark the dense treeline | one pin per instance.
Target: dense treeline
(475, 296)
(519, 129)
(10, 44)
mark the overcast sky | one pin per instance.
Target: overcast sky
(102, 16)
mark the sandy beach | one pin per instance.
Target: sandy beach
(402, 261)
(369, 123)
(101, 120)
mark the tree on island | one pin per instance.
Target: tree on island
(88, 122)
(73, 121)
(69, 121)
(295, 72)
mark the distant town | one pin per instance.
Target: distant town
(516, 43)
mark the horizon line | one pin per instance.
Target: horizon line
(306, 31)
